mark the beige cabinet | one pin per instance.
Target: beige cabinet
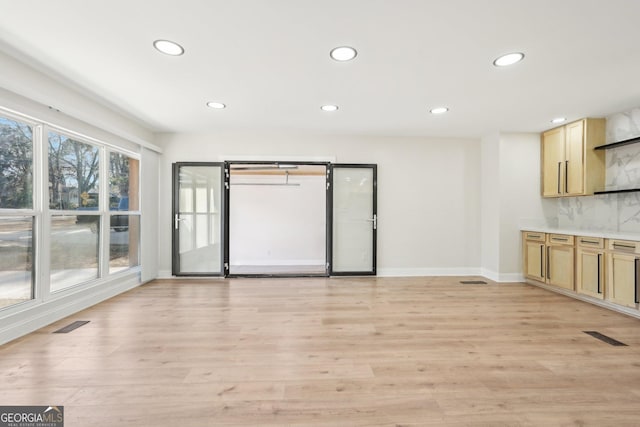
(570, 165)
(590, 277)
(623, 260)
(560, 265)
(534, 255)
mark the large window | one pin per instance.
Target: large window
(74, 197)
(17, 250)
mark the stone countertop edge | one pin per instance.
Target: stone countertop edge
(586, 233)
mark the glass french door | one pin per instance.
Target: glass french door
(198, 212)
(353, 193)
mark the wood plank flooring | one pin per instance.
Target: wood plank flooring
(332, 352)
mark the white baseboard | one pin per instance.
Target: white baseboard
(501, 277)
(416, 272)
(164, 274)
(36, 315)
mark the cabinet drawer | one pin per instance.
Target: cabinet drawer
(628, 246)
(532, 235)
(560, 239)
(591, 242)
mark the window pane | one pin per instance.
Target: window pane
(16, 260)
(74, 249)
(123, 182)
(124, 242)
(73, 174)
(16, 165)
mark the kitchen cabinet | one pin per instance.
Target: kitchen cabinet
(570, 165)
(590, 277)
(623, 260)
(534, 258)
(560, 264)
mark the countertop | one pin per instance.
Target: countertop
(586, 233)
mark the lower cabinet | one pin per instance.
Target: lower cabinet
(590, 277)
(560, 253)
(602, 268)
(622, 265)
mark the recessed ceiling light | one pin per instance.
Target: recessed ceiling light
(559, 120)
(343, 53)
(439, 110)
(508, 59)
(168, 47)
(218, 105)
(329, 107)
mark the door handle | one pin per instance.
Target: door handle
(374, 220)
(559, 179)
(635, 281)
(566, 176)
(176, 220)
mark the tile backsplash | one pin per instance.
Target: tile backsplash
(611, 212)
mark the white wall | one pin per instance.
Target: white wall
(149, 181)
(490, 206)
(277, 225)
(428, 191)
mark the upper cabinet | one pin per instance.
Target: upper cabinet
(570, 165)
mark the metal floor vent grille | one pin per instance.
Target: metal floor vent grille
(605, 338)
(71, 326)
(473, 282)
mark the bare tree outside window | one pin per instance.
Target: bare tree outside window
(16, 165)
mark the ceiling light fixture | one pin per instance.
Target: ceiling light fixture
(508, 59)
(168, 47)
(343, 53)
(559, 120)
(329, 107)
(439, 110)
(216, 105)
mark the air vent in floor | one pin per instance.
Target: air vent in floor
(605, 338)
(473, 282)
(71, 326)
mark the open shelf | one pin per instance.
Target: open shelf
(618, 144)
(626, 190)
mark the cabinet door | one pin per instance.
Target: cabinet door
(622, 279)
(553, 162)
(589, 271)
(560, 266)
(574, 161)
(534, 260)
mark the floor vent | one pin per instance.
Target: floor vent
(71, 326)
(473, 282)
(605, 338)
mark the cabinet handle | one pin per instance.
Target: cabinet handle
(591, 242)
(635, 281)
(559, 180)
(560, 239)
(548, 266)
(566, 176)
(622, 246)
(599, 257)
(533, 236)
(541, 259)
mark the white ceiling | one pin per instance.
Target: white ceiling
(268, 60)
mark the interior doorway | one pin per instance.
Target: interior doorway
(277, 220)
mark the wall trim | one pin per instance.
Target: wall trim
(502, 277)
(416, 272)
(45, 313)
(605, 304)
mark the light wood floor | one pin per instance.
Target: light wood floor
(332, 352)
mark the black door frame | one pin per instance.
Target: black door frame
(373, 166)
(175, 232)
